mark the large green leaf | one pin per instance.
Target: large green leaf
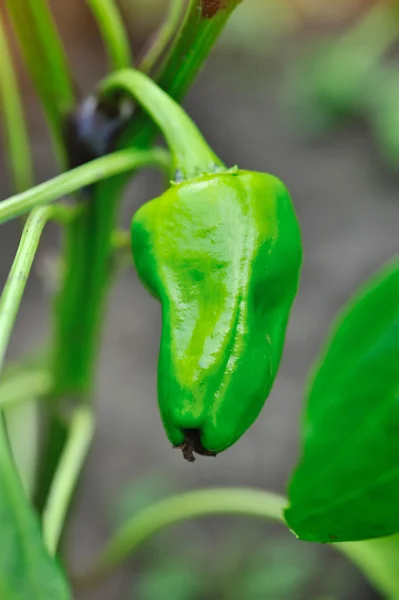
(346, 486)
(27, 572)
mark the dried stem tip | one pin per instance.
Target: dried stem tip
(192, 444)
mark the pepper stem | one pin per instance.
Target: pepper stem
(191, 444)
(191, 155)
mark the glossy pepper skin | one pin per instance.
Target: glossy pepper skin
(222, 253)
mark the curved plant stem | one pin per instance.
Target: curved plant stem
(81, 432)
(15, 284)
(76, 179)
(113, 33)
(18, 146)
(177, 71)
(163, 36)
(189, 505)
(191, 155)
(377, 559)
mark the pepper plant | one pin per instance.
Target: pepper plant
(221, 250)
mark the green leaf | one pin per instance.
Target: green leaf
(26, 570)
(346, 487)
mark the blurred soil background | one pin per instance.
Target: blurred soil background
(348, 205)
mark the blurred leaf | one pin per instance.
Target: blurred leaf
(174, 580)
(346, 486)
(26, 570)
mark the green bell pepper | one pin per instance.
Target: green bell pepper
(221, 250)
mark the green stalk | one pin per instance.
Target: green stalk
(123, 161)
(15, 285)
(113, 33)
(163, 36)
(18, 146)
(53, 51)
(191, 155)
(176, 509)
(9, 305)
(80, 435)
(377, 559)
(46, 63)
(193, 43)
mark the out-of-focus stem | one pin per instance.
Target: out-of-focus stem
(80, 434)
(15, 284)
(18, 146)
(164, 37)
(113, 33)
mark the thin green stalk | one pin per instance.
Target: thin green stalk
(194, 41)
(176, 509)
(18, 146)
(101, 168)
(15, 284)
(113, 33)
(163, 36)
(46, 63)
(81, 432)
(191, 155)
(53, 50)
(377, 559)
(182, 63)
